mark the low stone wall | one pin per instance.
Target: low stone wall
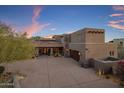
(104, 67)
(13, 82)
(16, 82)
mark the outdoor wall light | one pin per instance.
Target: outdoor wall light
(79, 53)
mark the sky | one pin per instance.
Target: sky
(49, 20)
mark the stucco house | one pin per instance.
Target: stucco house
(88, 43)
(120, 47)
(81, 45)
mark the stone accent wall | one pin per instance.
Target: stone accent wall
(104, 66)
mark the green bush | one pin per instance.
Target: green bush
(1, 69)
(13, 47)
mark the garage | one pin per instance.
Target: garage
(75, 55)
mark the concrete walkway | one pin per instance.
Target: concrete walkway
(46, 72)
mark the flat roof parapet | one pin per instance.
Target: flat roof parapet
(93, 30)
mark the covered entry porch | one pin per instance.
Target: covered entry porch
(53, 51)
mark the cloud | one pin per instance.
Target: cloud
(36, 12)
(117, 23)
(33, 28)
(118, 7)
(35, 25)
(117, 26)
(116, 15)
(53, 29)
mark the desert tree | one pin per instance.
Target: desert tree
(14, 48)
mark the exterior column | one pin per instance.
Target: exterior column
(36, 52)
(51, 51)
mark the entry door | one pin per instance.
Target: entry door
(40, 51)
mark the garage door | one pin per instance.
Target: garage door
(75, 55)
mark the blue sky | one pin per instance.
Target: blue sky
(63, 19)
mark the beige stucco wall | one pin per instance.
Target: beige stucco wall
(95, 43)
(117, 41)
(47, 44)
(95, 36)
(77, 41)
(89, 42)
(120, 48)
(78, 37)
(100, 51)
(111, 47)
(96, 51)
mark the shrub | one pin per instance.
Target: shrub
(107, 77)
(1, 69)
(13, 48)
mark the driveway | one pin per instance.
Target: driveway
(57, 72)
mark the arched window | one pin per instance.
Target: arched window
(110, 53)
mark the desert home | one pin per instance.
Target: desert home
(81, 45)
(49, 46)
(89, 43)
(87, 46)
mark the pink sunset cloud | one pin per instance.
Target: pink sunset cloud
(117, 26)
(35, 26)
(116, 15)
(118, 7)
(117, 23)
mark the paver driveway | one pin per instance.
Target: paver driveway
(57, 72)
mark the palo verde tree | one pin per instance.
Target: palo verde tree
(12, 46)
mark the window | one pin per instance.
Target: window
(110, 53)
